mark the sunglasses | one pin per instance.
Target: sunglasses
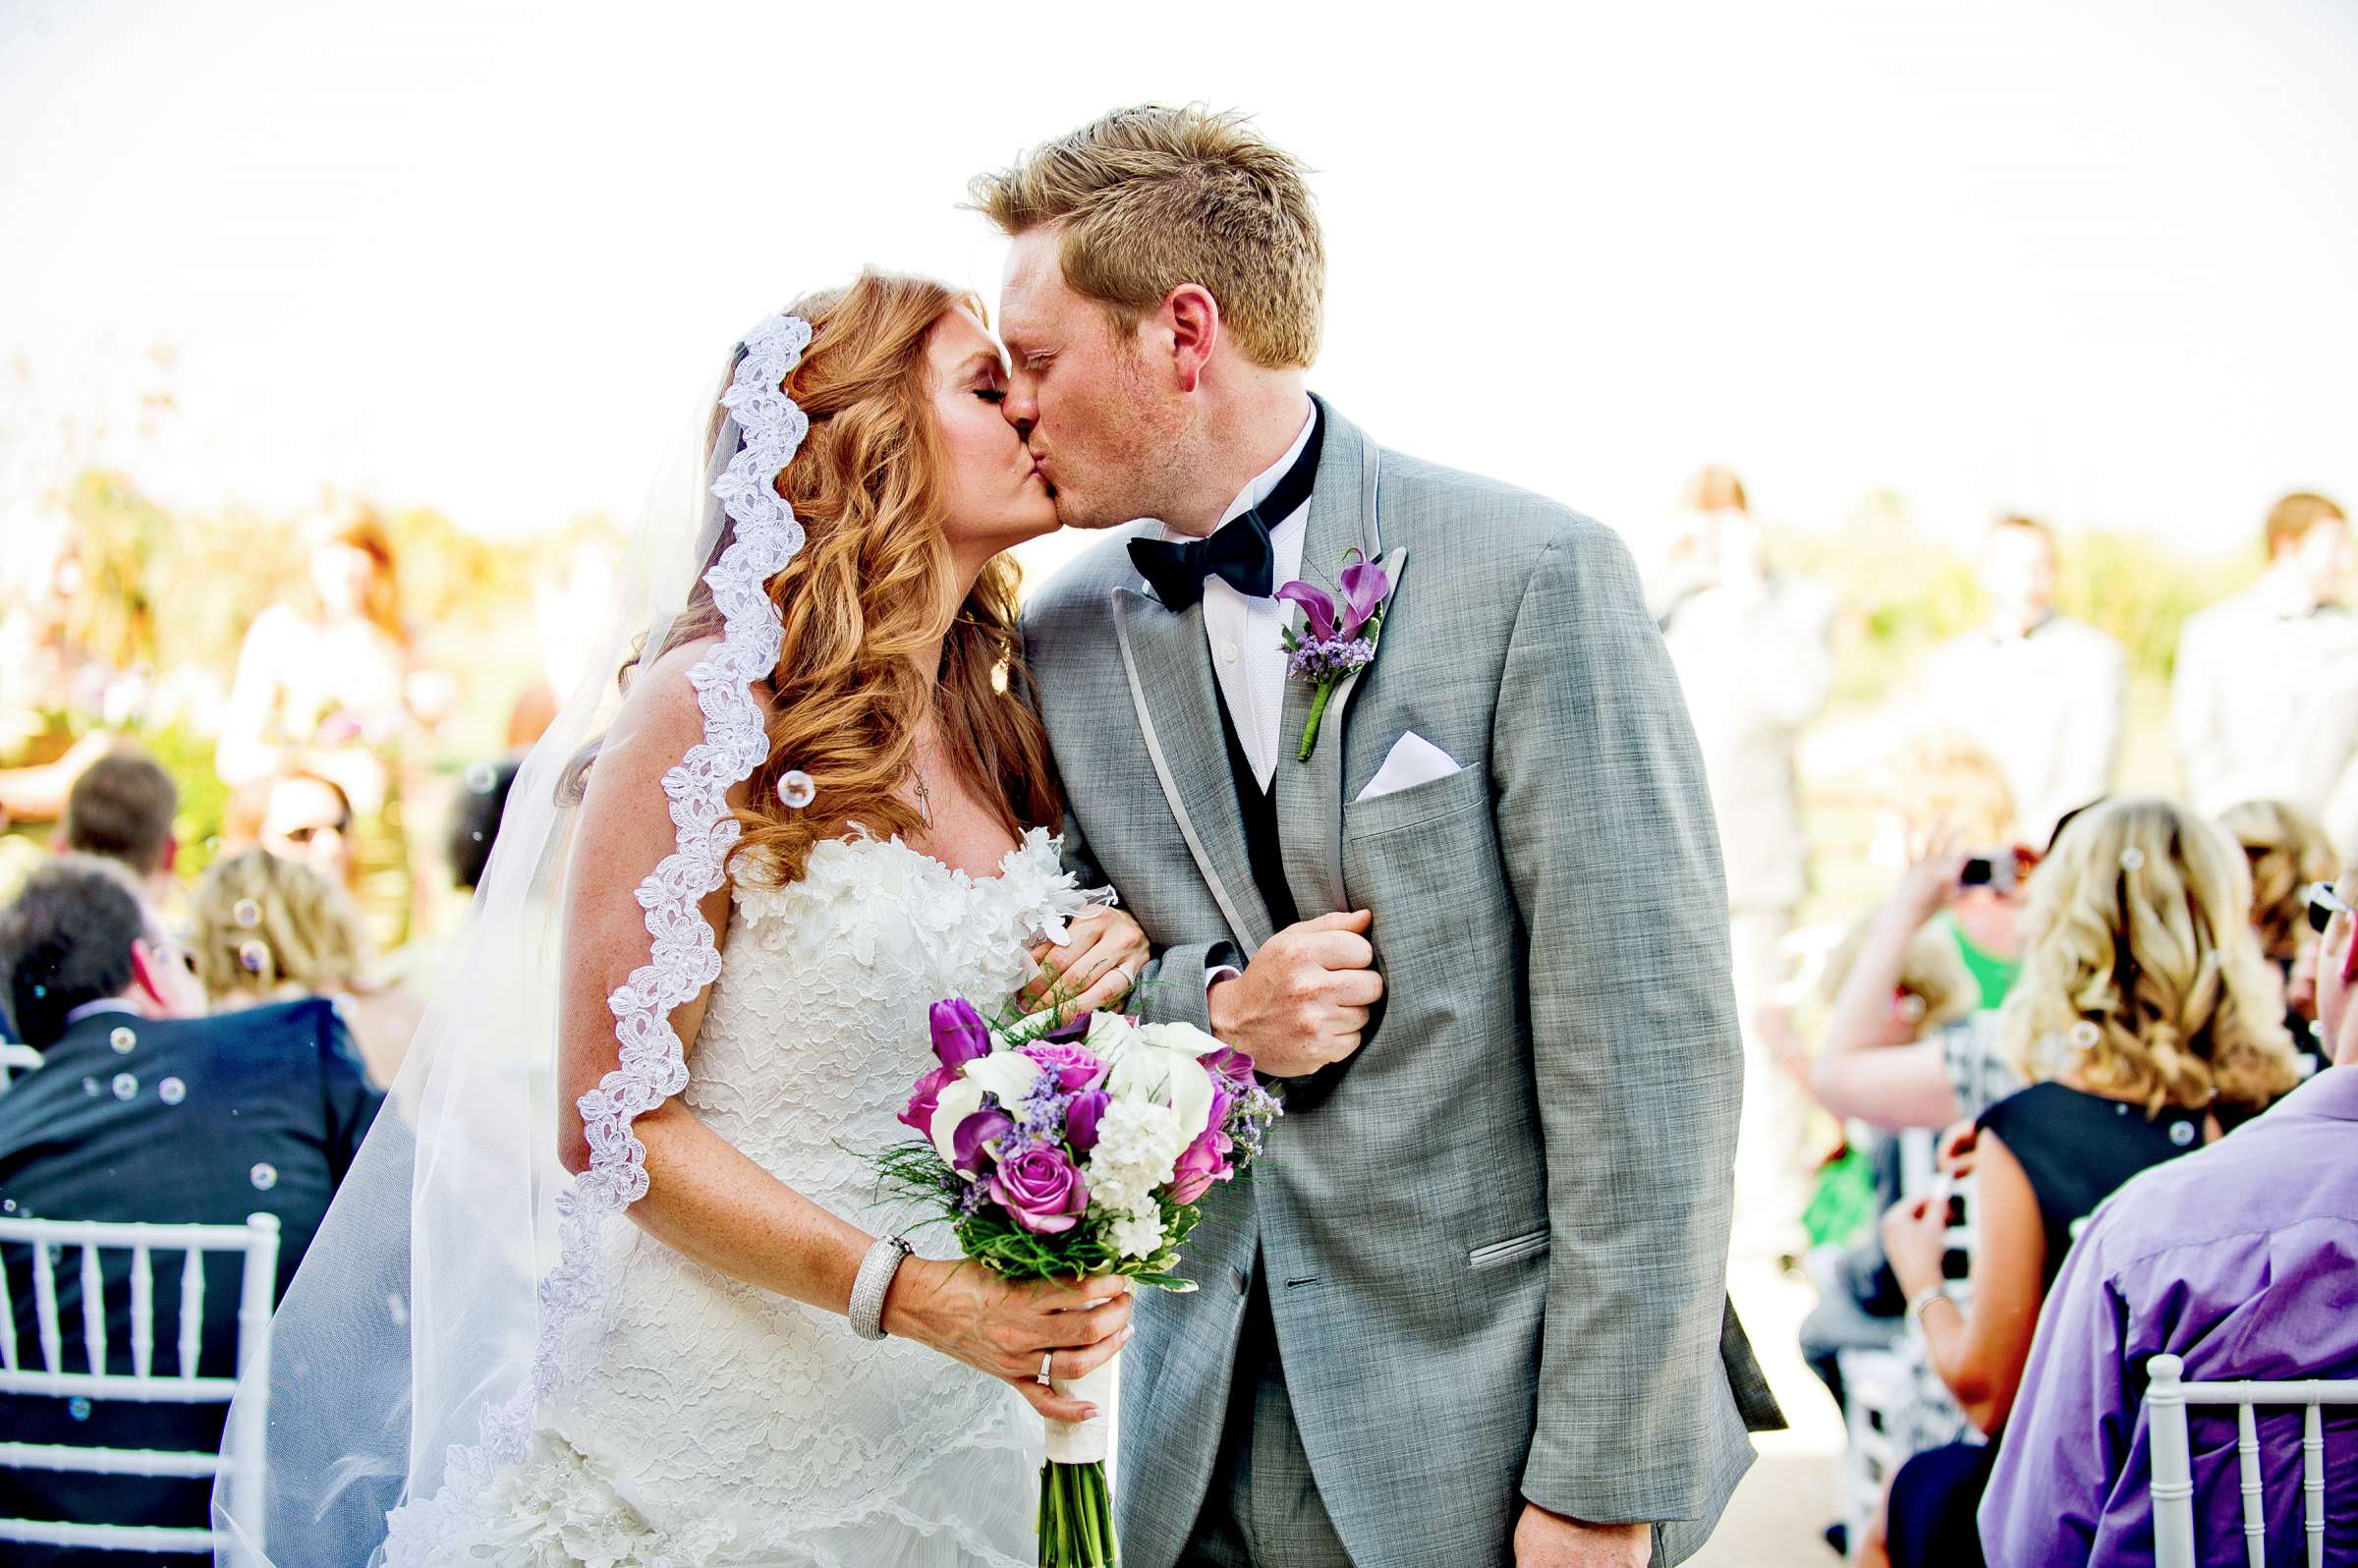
(2324, 904)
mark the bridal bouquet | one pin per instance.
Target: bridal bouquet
(1059, 1149)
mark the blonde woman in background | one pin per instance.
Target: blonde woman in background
(268, 929)
(1944, 784)
(2152, 1020)
(2288, 850)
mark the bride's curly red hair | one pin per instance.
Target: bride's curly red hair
(870, 588)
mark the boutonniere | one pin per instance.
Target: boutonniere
(1338, 637)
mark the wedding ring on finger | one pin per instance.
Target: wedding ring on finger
(1044, 1379)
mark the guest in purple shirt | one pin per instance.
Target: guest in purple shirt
(2243, 1259)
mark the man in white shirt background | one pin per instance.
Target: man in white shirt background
(2039, 691)
(2264, 700)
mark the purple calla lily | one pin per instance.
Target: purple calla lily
(1364, 584)
(1316, 608)
(979, 1128)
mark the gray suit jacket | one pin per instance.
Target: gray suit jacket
(1495, 1238)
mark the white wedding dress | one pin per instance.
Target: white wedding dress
(709, 1421)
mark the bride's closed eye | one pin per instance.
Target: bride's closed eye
(990, 394)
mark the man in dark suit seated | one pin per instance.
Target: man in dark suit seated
(145, 1109)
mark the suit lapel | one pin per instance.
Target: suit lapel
(1165, 662)
(1310, 795)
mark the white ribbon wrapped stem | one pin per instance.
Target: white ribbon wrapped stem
(1087, 1442)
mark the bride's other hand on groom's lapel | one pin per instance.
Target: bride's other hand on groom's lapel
(1301, 1004)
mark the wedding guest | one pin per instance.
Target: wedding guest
(298, 817)
(121, 808)
(271, 930)
(2039, 691)
(474, 821)
(1754, 659)
(1887, 1058)
(1940, 783)
(2240, 1261)
(146, 1110)
(1858, 1306)
(2146, 1005)
(2288, 852)
(2265, 700)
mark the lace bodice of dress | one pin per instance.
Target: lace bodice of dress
(714, 1423)
(816, 1027)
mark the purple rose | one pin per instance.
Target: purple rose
(1205, 1162)
(958, 1033)
(983, 1127)
(919, 1117)
(1072, 1067)
(1040, 1191)
(1081, 1118)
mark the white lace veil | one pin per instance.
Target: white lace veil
(432, 1308)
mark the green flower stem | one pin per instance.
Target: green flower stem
(1317, 711)
(1076, 1518)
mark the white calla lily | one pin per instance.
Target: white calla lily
(1009, 1075)
(1184, 1038)
(954, 1104)
(1166, 1077)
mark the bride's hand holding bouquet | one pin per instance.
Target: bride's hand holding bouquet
(1074, 1150)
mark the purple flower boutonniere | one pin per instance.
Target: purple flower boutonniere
(1338, 639)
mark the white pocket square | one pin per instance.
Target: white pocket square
(1414, 760)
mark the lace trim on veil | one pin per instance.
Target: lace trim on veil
(685, 959)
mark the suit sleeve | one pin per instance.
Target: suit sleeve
(1609, 845)
(348, 1102)
(1175, 985)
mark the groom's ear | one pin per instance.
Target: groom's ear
(1192, 317)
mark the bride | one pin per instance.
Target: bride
(731, 886)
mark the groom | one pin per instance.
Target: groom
(1472, 1308)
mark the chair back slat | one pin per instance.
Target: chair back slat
(191, 1310)
(93, 1309)
(44, 1306)
(8, 1321)
(2255, 1512)
(142, 1312)
(2312, 1484)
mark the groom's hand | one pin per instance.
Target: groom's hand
(1301, 1004)
(1551, 1541)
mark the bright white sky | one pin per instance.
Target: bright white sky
(2092, 259)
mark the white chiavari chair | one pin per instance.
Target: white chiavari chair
(16, 1059)
(2166, 1397)
(50, 1242)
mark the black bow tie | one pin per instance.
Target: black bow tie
(1238, 550)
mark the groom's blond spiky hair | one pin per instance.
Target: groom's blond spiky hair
(1150, 198)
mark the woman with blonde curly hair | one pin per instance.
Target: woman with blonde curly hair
(2149, 1020)
(2288, 852)
(266, 928)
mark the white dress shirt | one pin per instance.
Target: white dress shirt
(1246, 655)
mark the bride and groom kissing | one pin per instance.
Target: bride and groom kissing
(1454, 887)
